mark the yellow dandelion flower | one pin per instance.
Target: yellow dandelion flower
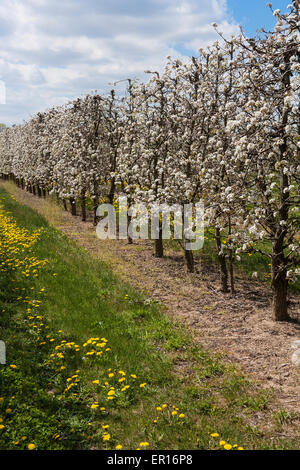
(144, 444)
(227, 446)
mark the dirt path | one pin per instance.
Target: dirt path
(240, 327)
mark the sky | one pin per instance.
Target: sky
(254, 14)
(52, 51)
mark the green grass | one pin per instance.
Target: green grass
(83, 299)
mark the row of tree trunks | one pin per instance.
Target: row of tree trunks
(279, 275)
(20, 182)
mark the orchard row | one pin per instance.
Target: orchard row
(223, 127)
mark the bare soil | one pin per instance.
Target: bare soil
(240, 326)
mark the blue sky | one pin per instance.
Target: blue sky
(254, 14)
(52, 51)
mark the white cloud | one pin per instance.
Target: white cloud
(53, 50)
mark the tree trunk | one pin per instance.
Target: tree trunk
(65, 204)
(159, 247)
(129, 239)
(83, 208)
(39, 191)
(280, 310)
(189, 257)
(73, 206)
(222, 262)
(33, 190)
(231, 258)
(279, 287)
(231, 271)
(95, 207)
(112, 191)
